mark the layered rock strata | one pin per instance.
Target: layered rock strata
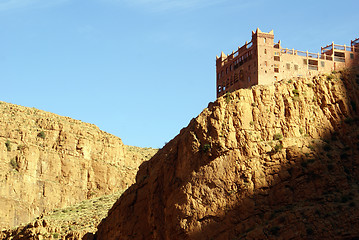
(270, 162)
(49, 161)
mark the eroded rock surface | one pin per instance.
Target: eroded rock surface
(271, 162)
(49, 161)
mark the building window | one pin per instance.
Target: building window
(288, 66)
(276, 68)
(265, 51)
(249, 78)
(265, 40)
(276, 53)
(226, 70)
(352, 56)
(275, 78)
(305, 61)
(219, 88)
(296, 67)
(265, 63)
(276, 58)
(322, 64)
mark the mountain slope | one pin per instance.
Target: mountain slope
(276, 161)
(48, 161)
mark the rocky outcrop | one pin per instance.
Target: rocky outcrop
(48, 161)
(277, 161)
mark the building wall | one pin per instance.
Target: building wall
(263, 62)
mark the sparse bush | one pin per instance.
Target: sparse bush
(348, 120)
(251, 123)
(55, 235)
(14, 164)
(8, 145)
(206, 147)
(301, 131)
(311, 147)
(228, 97)
(253, 105)
(327, 147)
(310, 85)
(274, 230)
(304, 164)
(295, 92)
(278, 147)
(277, 136)
(354, 105)
(289, 81)
(41, 135)
(309, 231)
(330, 77)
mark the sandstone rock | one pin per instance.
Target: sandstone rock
(255, 167)
(49, 161)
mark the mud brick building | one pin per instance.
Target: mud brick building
(261, 61)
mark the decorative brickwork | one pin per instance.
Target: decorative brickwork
(261, 61)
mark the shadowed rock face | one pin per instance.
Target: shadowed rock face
(269, 162)
(48, 161)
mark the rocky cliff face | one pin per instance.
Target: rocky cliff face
(269, 162)
(48, 161)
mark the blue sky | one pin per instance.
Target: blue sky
(142, 69)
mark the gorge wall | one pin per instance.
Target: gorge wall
(277, 161)
(49, 161)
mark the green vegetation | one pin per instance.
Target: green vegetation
(277, 136)
(228, 97)
(310, 85)
(295, 92)
(14, 164)
(8, 145)
(278, 147)
(301, 131)
(41, 135)
(206, 147)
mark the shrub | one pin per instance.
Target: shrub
(41, 135)
(301, 131)
(277, 136)
(295, 92)
(14, 163)
(8, 145)
(206, 147)
(310, 85)
(55, 235)
(274, 230)
(251, 123)
(228, 97)
(327, 147)
(289, 81)
(330, 77)
(278, 147)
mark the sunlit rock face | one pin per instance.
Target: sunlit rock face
(49, 161)
(270, 162)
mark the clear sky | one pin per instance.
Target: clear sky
(142, 69)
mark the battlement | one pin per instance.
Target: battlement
(261, 61)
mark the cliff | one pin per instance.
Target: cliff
(49, 161)
(277, 161)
